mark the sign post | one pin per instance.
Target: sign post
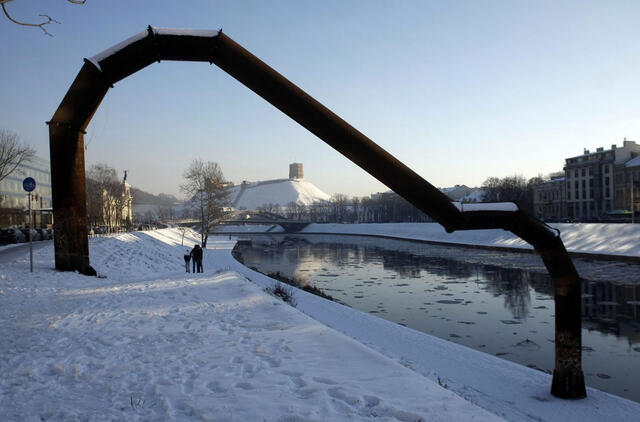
(29, 184)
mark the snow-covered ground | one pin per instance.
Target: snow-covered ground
(282, 192)
(606, 239)
(151, 342)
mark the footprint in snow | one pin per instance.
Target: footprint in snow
(245, 385)
(324, 381)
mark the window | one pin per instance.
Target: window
(606, 192)
(590, 183)
(584, 194)
(584, 184)
(584, 172)
(606, 169)
(606, 181)
(576, 184)
(575, 173)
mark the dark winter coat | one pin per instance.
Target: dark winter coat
(196, 253)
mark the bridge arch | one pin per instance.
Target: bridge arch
(99, 73)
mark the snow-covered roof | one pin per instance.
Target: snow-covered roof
(555, 180)
(633, 162)
(143, 34)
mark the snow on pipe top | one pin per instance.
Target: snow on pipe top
(486, 206)
(95, 60)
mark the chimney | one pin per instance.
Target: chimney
(586, 151)
(613, 146)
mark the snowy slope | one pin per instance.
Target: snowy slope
(150, 342)
(463, 193)
(606, 239)
(251, 196)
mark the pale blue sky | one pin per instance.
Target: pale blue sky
(458, 90)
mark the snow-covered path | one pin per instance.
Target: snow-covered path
(153, 343)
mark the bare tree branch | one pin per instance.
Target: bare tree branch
(12, 153)
(39, 25)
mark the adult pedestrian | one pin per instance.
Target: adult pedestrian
(199, 255)
(194, 256)
(187, 258)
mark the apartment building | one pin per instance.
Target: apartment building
(549, 199)
(590, 180)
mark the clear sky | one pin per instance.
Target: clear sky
(458, 90)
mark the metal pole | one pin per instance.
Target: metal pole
(93, 81)
(30, 235)
(632, 209)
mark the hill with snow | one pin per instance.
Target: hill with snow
(253, 195)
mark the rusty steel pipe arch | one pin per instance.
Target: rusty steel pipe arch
(98, 74)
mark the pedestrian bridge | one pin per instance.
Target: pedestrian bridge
(243, 218)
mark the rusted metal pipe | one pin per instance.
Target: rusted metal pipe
(98, 73)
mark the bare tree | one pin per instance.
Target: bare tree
(12, 153)
(41, 25)
(338, 207)
(510, 189)
(207, 193)
(183, 230)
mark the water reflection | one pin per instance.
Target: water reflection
(474, 297)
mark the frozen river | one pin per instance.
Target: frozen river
(497, 302)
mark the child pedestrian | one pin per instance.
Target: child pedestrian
(187, 258)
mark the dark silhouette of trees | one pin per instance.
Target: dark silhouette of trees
(511, 189)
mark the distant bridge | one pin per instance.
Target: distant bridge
(242, 218)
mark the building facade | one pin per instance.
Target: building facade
(627, 189)
(550, 199)
(590, 181)
(14, 201)
(118, 211)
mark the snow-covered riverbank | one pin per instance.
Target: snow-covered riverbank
(149, 342)
(591, 238)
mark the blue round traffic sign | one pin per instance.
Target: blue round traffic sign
(29, 184)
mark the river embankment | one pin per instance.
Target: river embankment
(597, 240)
